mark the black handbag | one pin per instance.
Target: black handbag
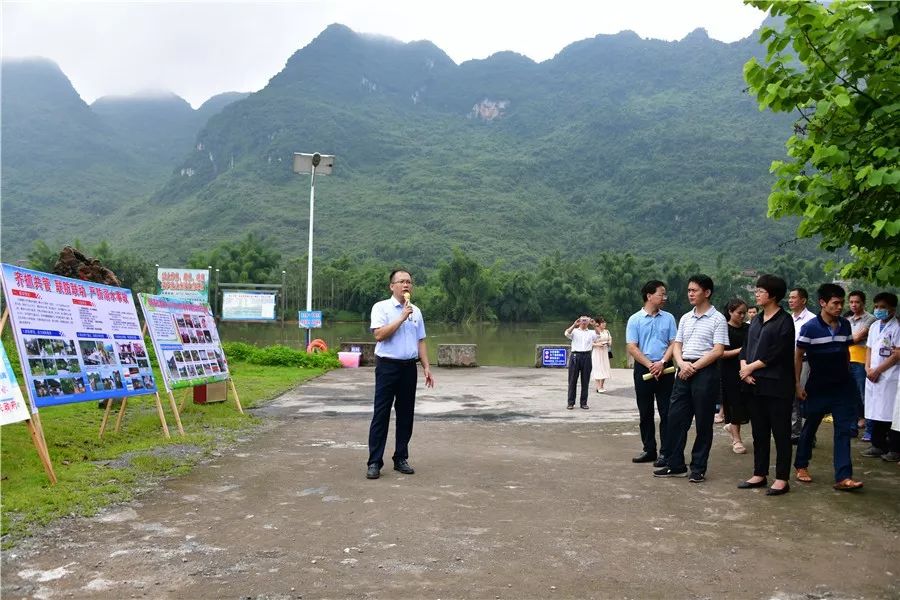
(610, 355)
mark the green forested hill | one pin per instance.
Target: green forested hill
(616, 143)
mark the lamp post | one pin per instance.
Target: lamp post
(312, 164)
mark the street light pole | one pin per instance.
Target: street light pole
(311, 163)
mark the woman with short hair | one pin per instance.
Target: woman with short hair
(767, 367)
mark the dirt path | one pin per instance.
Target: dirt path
(514, 497)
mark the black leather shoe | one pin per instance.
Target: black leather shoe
(403, 467)
(373, 472)
(584, 406)
(660, 462)
(644, 457)
(746, 485)
(774, 492)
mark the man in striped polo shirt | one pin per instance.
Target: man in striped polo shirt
(700, 341)
(825, 342)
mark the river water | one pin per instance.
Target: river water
(499, 344)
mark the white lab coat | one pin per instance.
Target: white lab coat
(881, 395)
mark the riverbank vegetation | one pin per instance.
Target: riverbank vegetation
(463, 290)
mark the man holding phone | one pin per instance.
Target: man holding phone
(580, 362)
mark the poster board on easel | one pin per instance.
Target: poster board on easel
(78, 341)
(186, 342)
(14, 410)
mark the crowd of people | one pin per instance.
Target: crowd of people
(782, 371)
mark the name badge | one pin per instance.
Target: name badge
(884, 352)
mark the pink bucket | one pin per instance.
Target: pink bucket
(349, 360)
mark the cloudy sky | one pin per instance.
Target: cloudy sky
(201, 48)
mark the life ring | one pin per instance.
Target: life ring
(317, 345)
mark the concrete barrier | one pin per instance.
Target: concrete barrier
(457, 355)
(366, 350)
(556, 351)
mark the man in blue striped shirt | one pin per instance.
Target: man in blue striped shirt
(825, 342)
(700, 341)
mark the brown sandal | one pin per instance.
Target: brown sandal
(848, 485)
(803, 475)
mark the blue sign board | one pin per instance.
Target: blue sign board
(310, 319)
(555, 357)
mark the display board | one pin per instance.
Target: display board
(183, 284)
(78, 340)
(186, 341)
(248, 306)
(12, 404)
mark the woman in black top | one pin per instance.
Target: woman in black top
(767, 367)
(734, 393)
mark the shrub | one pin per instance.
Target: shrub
(280, 356)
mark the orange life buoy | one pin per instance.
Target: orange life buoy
(317, 345)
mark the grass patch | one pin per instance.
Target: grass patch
(94, 473)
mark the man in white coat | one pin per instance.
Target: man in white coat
(882, 375)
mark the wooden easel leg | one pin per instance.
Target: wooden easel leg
(175, 411)
(106, 412)
(4, 318)
(121, 414)
(237, 400)
(40, 445)
(162, 416)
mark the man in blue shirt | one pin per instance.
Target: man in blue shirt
(825, 342)
(648, 338)
(400, 342)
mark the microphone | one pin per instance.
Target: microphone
(406, 297)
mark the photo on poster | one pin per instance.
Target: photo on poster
(40, 389)
(200, 370)
(143, 363)
(149, 383)
(32, 347)
(94, 381)
(178, 357)
(202, 354)
(67, 385)
(78, 382)
(50, 366)
(192, 370)
(195, 355)
(183, 372)
(53, 387)
(37, 367)
(69, 348)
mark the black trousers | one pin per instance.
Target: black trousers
(884, 438)
(770, 417)
(395, 385)
(646, 392)
(693, 399)
(579, 367)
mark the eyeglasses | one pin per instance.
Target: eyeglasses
(409, 281)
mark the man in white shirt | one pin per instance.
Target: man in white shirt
(700, 341)
(399, 331)
(580, 361)
(797, 299)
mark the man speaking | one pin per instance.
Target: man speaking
(400, 341)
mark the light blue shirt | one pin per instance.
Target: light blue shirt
(404, 344)
(651, 333)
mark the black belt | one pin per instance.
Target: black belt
(581, 351)
(397, 361)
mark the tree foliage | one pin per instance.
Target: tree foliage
(248, 260)
(838, 66)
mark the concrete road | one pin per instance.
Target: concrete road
(514, 497)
